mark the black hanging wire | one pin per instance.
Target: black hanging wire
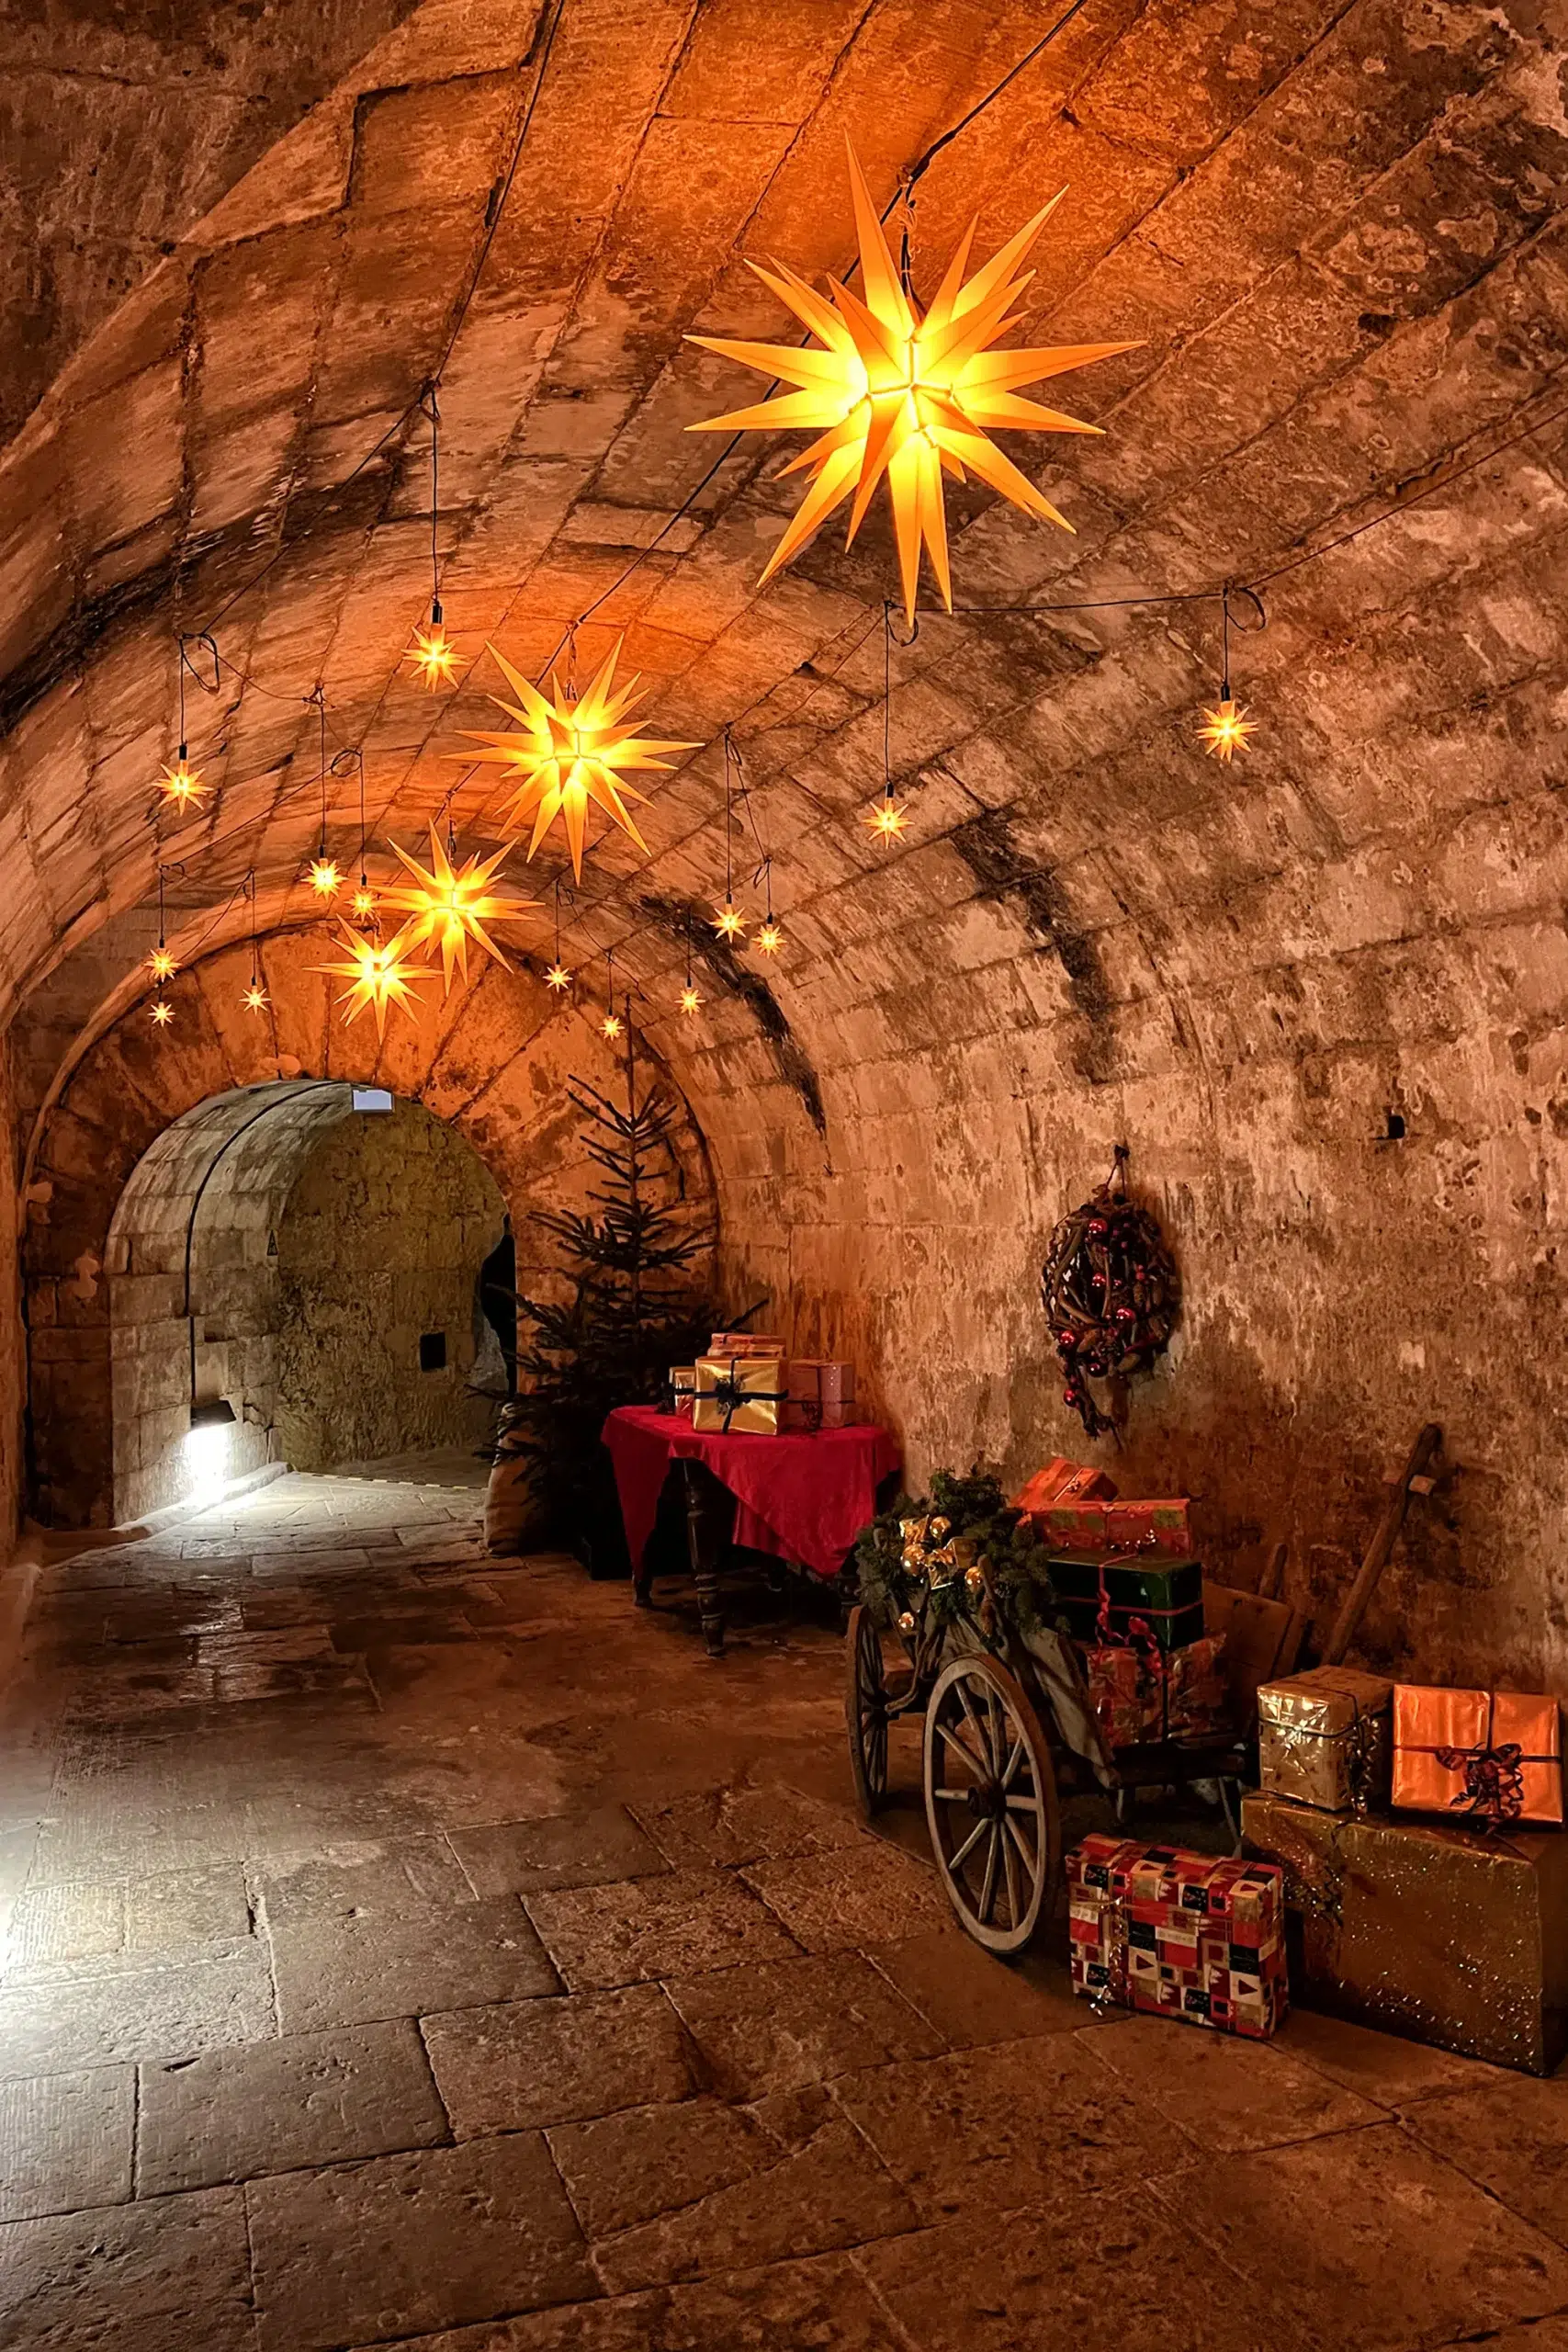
(432, 410)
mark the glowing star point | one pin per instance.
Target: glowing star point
(613, 1026)
(557, 977)
(887, 819)
(325, 879)
(379, 974)
(729, 922)
(364, 904)
(1226, 728)
(901, 396)
(449, 905)
(161, 964)
(770, 938)
(163, 1012)
(255, 999)
(434, 657)
(571, 754)
(181, 786)
(690, 1000)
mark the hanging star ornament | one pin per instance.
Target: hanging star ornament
(729, 922)
(434, 657)
(1226, 728)
(770, 937)
(255, 999)
(325, 879)
(161, 964)
(449, 906)
(557, 977)
(899, 395)
(379, 973)
(163, 1012)
(572, 752)
(690, 1000)
(887, 819)
(613, 1024)
(180, 785)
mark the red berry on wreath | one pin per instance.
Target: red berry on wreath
(1097, 1225)
(1069, 1396)
(1066, 1341)
(1126, 1314)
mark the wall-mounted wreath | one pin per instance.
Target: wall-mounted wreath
(1111, 1296)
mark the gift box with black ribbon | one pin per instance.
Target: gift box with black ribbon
(1099, 1599)
(1457, 1936)
(1494, 1757)
(1179, 1934)
(740, 1396)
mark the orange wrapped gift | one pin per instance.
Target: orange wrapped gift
(1494, 1756)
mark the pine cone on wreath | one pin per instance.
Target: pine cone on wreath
(1111, 1295)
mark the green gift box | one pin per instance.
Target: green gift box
(1099, 1599)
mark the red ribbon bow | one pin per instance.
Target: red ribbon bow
(1494, 1784)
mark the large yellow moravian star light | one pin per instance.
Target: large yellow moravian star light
(572, 752)
(895, 395)
(379, 974)
(450, 905)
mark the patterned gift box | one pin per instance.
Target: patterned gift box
(740, 1396)
(1489, 1755)
(1323, 1738)
(1120, 1689)
(1150, 1526)
(1072, 1527)
(1180, 1934)
(1086, 1486)
(745, 1343)
(1128, 1599)
(681, 1386)
(821, 1394)
(1045, 1485)
(1136, 1696)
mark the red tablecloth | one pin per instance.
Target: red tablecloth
(804, 1496)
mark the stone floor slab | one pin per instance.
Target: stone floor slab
(65, 2142)
(405, 2245)
(1370, 2222)
(724, 1827)
(173, 2274)
(592, 1848)
(791, 2023)
(176, 2012)
(971, 1997)
(866, 1894)
(407, 1874)
(1382, 2067)
(287, 2105)
(520, 2066)
(381, 1964)
(1248, 2094)
(601, 1936)
(1510, 2134)
(1013, 2124)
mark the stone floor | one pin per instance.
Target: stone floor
(408, 1947)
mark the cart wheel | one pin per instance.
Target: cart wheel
(991, 1803)
(865, 1709)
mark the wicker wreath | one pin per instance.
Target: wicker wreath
(1111, 1295)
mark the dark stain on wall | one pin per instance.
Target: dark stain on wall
(686, 919)
(987, 845)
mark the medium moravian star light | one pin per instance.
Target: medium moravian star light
(379, 974)
(449, 905)
(570, 752)
(892, 393)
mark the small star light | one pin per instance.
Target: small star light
(887, 819)
(255, 999)
(433, 654)
(557, 977)
(728, 921)
(570, 753)
(363, 903)
(163, 1012)
(450, 905)
(1226, 728)
(898, 396)
(180, 785)
(613, 1026)
(161, 964)
(770, 937)
(690, 1000)
(325, 879)
(379, 974)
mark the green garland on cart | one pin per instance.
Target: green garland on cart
(961, 1551)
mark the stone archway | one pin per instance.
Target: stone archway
(490, 1061)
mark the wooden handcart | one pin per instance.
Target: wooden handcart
(1005, 1726)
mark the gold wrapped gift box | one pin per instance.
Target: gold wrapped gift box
(1447, 1936)
(740, 1396)
(1322, 1739)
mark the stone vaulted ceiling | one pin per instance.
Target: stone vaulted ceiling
(1338, 230)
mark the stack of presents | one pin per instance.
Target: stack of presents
(1403, 1861)
(747, 1386)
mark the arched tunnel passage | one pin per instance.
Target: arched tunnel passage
(292, 1272)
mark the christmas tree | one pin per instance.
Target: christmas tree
(633, 1310)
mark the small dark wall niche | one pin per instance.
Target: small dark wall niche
(432, 1351)
(1393, 1128)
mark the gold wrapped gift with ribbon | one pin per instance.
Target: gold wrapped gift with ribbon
(740, 1396)
(1322, 1739)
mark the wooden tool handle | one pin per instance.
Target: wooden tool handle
(1356, 1601)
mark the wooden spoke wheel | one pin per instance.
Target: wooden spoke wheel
(991, 1803)
(865, 1709)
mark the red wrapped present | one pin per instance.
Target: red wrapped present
(1120, 1694)
(1062, 1481)
(1139, 1694)
(1179, 1934)
(1072, 1527)
(821, 1393)
(1159, 1527)
(1488, 1755)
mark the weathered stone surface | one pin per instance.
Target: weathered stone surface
(971, 1997)
(791, 2023)
(1250, 2095)
(411, 1875)
(283, 2106)
(175, 2012)
(345, 2256)
(1511, 2135)
(65, 2142)
(569, 1849)
(383, 1965)
(865, 1894)
(513, 2066)
(174, 2272)
(654, 1926)
(749, 1825)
